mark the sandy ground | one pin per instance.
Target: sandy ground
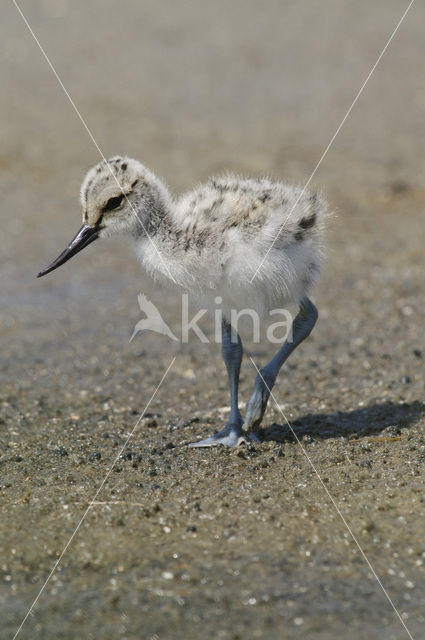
(225, 544)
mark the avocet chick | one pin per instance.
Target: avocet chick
(253, 242)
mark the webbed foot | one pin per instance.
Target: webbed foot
(231, 436)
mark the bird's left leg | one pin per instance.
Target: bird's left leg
(232, 351)
(301, 328)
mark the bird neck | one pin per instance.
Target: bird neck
(154, 211)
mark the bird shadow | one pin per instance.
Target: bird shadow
(385, 417)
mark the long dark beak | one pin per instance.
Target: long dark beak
(85, 236)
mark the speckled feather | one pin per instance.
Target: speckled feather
(212, 239)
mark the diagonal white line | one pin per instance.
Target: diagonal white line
(334, 504)
(92, 502)
(360, 91)
(55, 73)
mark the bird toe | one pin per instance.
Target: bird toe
(231, 436)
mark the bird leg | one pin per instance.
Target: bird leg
(232, 434)
(301, 328)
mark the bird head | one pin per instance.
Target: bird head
(119, 196)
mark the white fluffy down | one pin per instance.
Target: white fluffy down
(212, 240)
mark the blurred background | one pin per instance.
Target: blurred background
(193, 89)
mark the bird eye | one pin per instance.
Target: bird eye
(113, 203)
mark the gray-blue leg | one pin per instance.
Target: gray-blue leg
(301, 328)
(232, 351)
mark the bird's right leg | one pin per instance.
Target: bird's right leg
(301, 328)
(232, 434)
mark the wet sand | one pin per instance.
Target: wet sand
(225, 544)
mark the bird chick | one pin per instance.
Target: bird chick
(256, 243)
